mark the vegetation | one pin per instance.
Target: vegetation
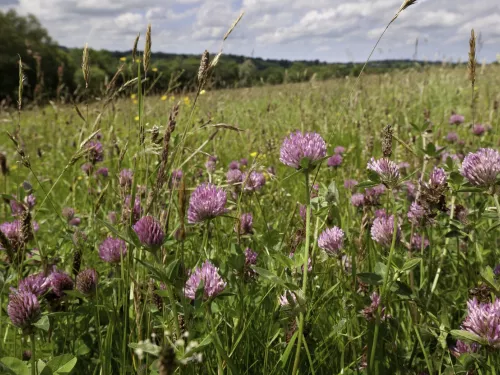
(195, 233)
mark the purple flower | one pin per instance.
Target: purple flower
(125, 178)
(68, 213)
(176, 177)
(298, 146)
(334, 161)
(381, 213)
(13, 233)
(331, 240)
(250, 257)
(483, 320)
(16, 208)
(95, 151)
(403, 165)
(59, 282)
(206, 202)
(287, 298)
(464, 348)
(482, 167)
(339, 150)
(350, 184)
(358, 200)
(112, 250)
(211, 164)
(234, 165)
(456, 119)
(112, 217)
(496, 271)
(30, 201)
(245, 224)
(383, 229)
(271, 170)
(149, 232)
(87, 168)
(452, 137)
(411, 190)
(36, 284)
(103, 172)
(212, 282)
(253, 181)
(76, 221)
(136, 210)
(234, 176)
(416, 242)
(86, 282)
(478, 129)
(416, 214)
(23, 309)
(437, 178)
(387, 170)
(244, 162)
(372, 195)
(370, 312)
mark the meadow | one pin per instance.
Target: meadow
(249, 231)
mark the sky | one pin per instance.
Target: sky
(326, 30)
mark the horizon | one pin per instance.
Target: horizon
(328, 30)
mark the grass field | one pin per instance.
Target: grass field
(378, 301)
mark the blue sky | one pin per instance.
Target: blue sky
(327, 30)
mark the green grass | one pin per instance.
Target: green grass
(246, 330)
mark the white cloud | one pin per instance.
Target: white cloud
(273, 28)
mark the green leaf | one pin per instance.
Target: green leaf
(288, 350)
(273, 278)
(146, 347)
(43, 323)
(410, 264)
(366, 184)
(467, 336)
(370, 278)
(15, 366)
(489, 277)
(60, 365)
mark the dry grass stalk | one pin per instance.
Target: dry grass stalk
(203, 70)
(134, 50)
(147, 50)
(226, 35)
(21, 85)
(26, 229)
(112, 83)
(4, 241)
(86, 65)
(471, 66)
(387, 135)
(160, 179)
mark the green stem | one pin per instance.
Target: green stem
(33, 357)
(497, 204)
(304, 273)
(174, 311)
(220, 369)
(386, 280)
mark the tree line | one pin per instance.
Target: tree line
(53, 72)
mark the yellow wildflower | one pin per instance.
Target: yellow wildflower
(135, 101)
(80, 178)
(123, 59)
(253, 154)
(203, 92)
(164, 97)
(136, 118)
(133, 96)
(154, 69)
(187, 101)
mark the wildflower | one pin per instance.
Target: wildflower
(212, 282)
(461, 347)
(382, 230)
(16, 208)
(203, 92)
(417, 214)
(68, 213)
(87, 168)
(253, 181)
(211, 163)
(206, 202)
(411, 190)
(478, 129)
(176, 178)
(437, 178)
(244, 161)
(300, 146)
(245, 224)
(136, 210)
(13, 233)
(350, 184)
(452, 137)
(483, 320)
(331, 240)
(36, 284)
(59, 282)
(86, 282)
(250, 257)
(234, 165)
(136, 118)
(386, 169)
(125, 178)
(380, 213)
(370, 312)
(123, 59)
(76, 221)
(23, 309)
(164, 97)
(30, 201)
(372, 195)
(482, 167)
(149, 232)
(334, 161)
(103, 172)
(416, 242)
(339, 150)
(358, 200)
(111, 250)
(95, 151)
(456, 119)
(154, 70)
(234, 176)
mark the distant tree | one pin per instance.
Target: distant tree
(47, 68)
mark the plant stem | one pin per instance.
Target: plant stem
(33, 357)
(304, 273)
(386, 280)
(497, 204)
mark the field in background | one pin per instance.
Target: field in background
(140, 313)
